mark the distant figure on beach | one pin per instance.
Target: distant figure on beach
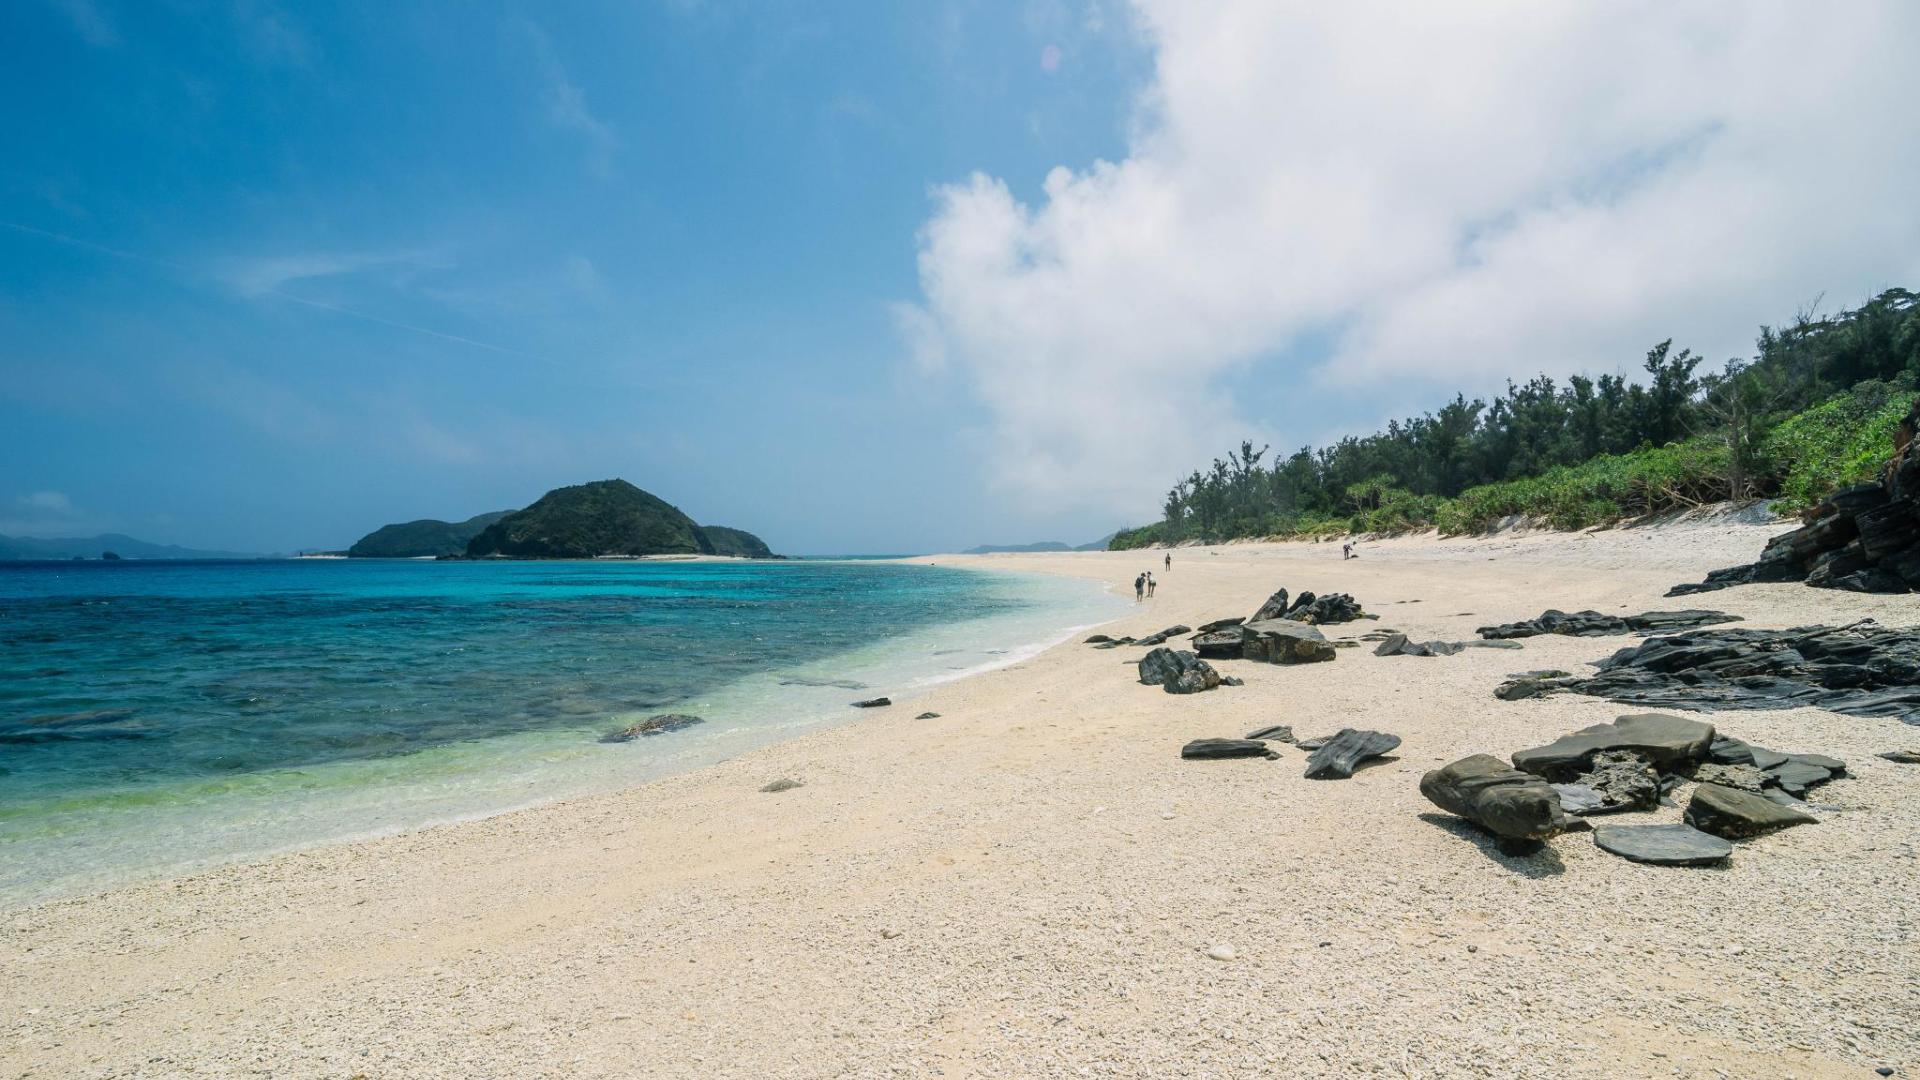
(1139, 587)
(1169, 560)
(1346, 552)
(1150, 583)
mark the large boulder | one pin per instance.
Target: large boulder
(1502, 800)
(1282, 641)
(1177, 671)
(1275, 607)
(1735, 814)
(1669, 743)
(1336, 758)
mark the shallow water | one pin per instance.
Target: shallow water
(157, 716)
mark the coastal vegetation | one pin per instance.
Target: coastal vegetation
(1811, 411)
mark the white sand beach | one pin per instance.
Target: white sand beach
(1027, 885)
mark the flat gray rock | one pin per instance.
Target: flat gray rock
(1339, 755)
(1903, 757)
(1736, 814)
(1668, 742)
(1277, 733)
(1662, 845)
(1578, 799)
(1215, 749)
(1744, 777)
(1283, 641)
(1502, 800)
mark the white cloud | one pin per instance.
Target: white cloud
(51, 502)
(1464, 194)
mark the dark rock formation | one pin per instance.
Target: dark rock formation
(1314, 743)
(1275, 607)
(1282, 641)
(928, 716)
(653, 725)
(1306, 608)
(1398, 645)
(873, 703)
(1224, 644)
(1865, 538)
(1276, 733)
(1743, 777)
(1504, 801)
(1662, 845)
(1097, 639)
(1859, 670)
(1337, 757)
(1619, 780)
(1219, 624)
(1903, 757)
(1215, 749)
(1668, 743)
(1594, 624)
(1177, 671)
(1735, 814)
(782, 785)
(1161, 637)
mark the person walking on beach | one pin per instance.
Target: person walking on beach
(1139, 587)
(1150, 583)
(1169, 560)
(1346, 552)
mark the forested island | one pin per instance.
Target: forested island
(584, 521)
(1809, 413)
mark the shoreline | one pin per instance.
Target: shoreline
(1028, 884)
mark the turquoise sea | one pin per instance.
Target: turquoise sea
(156, 716)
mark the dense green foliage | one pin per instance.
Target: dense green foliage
(1812, 410)
(425, 538)
(606, 517)
(737, 543)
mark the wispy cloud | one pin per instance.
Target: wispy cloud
(263, 274)
(53, 502)
(567, 105)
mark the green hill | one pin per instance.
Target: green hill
(739, 543)
(607, 517)
(422, 539)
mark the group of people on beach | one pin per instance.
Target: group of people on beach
(1143, 585)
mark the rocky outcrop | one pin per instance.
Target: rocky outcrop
(1506, 802)
(1177, 671)
(1283, 641)
(1594, 624)
(1663, 845)
(1399, 645)
(1215, 749)
(1736, 814)
(1161, 637)
(653, 725)
(1668, 743)
(1859, 670)
(1615, 781)
(1337, 757)
(1308, 608)
(1864, 538)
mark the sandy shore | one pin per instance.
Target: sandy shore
(1026, 886)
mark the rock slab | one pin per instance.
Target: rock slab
(1735, 814)
(1345, 750)
(1503, 800)
(1216, 749)
(1667, 742)
(1662, 845)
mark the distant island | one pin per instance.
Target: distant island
(426, 538)
(585, 521)
(110, 546)
(1044, 545)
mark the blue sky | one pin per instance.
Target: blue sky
(273, 276)
(875, 277)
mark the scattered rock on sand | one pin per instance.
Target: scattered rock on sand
(1399, 645)
(1177, 671)
(1097, 639)
(1219, 624)
(1662, 845)
(873, 703)
(928, 716)
(1667, 742)
(1227, 644)
(1594, 624)
(1903, 757)
(1217, 749)
(1275, 733)
(1221, 952)
(1735, 814)
(1503, 800)
(1622, 780)
(1801, 772)
(1282, 641)
(782, 785)
(1161, 637)
(653, 725)
(1338, 756)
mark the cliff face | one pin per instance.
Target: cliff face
(422, 539)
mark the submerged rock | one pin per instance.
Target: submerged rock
(1502, 800)
(1662, 845)
(1177, 671)
(1215, 749)
(1282, 641)
(1735, 814)
(1337, 757)
(873, 703)
(1667, 742)
(652, 725)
